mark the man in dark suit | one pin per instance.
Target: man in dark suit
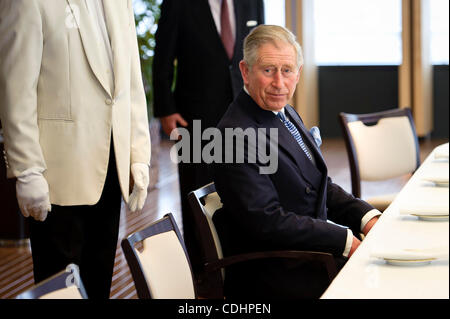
(205, 39)
(288, 208)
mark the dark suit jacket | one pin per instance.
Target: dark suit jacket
(206, 78)
(286, 210)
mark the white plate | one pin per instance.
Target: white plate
(437, 182)
(441, 151)
(432, 217)
(441, 184)
(406, 262)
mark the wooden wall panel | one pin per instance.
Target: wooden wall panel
(299, 19)
(416, 71)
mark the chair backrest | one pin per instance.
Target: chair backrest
(161, 270)
(66, 284)
(204, 202)
(380, 145)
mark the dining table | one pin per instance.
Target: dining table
(405, 254)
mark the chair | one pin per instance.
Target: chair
(66, 284)
(204, 202)
(162, 269)
(380, 146)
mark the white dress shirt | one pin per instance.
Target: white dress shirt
(215, 6)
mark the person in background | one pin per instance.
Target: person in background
(289, 208)
(74, 117)
(202, 41)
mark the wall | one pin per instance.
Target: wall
(365, 89)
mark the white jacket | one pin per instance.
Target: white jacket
(56, 105)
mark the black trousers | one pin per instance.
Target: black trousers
(278, 279)
(84, 235)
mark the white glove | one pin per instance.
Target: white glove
(140, 174)
(33, 195)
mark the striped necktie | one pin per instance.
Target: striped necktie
(295, 133)
(226, 35)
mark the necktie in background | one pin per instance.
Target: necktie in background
(295, 133)
(225, 29)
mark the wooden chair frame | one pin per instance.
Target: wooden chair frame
(369, 119)
(167, 223)
(213, 264)
(56, 282)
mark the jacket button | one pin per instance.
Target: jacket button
(109, 101)
(308, 190)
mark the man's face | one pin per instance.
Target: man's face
(273, 77)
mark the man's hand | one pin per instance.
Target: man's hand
(33, 196)
(137, 198)
(369, 225)
(355, 244)
(170, 122)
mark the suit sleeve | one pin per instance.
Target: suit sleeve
(164, 56)
(253, 203)
(21, 45)
(140, 135)
(261, 15)
(344, 208)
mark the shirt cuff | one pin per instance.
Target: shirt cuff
(348, 244)
(141, 164)
(368, 216)
(25, 176)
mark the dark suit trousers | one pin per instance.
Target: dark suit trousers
(84, 235)
(299, 279)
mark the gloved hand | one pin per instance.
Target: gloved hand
(33, 195)
(137, 198)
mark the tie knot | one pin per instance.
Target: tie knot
(281, 116)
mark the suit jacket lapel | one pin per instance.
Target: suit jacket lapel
(320, 162)
(305, 166)
(238, 17)
(289, 144)
(116, 26)
(307, 136)
(86, 29)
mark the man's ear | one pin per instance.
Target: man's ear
(244, 71)
(298, 74)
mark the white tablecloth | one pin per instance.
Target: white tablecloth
(365, 276)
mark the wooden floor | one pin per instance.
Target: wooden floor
(16, 266)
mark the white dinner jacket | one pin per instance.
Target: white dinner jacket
(57, 109)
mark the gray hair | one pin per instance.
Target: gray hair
(269, 33)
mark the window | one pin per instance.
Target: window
(439, 25)
(358, 32)
(274, 12)
(148, 10)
